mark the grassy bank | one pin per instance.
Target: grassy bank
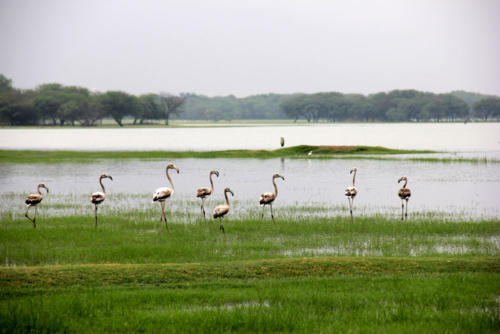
(13, 156)
(91, 275)
(464, 302)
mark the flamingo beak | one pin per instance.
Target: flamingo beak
(110, 177)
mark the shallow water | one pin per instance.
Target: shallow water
(311, 187)
(456, 137)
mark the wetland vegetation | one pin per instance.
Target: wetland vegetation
(129, 274)
(312, 270)
(15, 156)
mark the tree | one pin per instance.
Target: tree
(118, 105)
(5, 84)
(48, 100)
(16, 107)
(151, 107)
(487, 107)
(172, 105)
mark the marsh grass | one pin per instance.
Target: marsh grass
(139, 237)
(20, 156)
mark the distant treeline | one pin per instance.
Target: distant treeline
(55, 104)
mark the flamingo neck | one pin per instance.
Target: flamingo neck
(354, 179)
(38, 190)
(275, 188)
(404, 185)
(227, 198)
(102, 185)
(211, 183)
(170, 180)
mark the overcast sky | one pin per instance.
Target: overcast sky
(252, 47)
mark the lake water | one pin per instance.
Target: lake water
(312, 186)
(456, 137)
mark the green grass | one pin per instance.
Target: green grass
(21, 156)
(293, 275)
(462, 302)
(140, 238)
(295, 152)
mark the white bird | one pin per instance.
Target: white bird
(34, 200)
(221, 210)
(351, 192)
(268, 198)
(161, 194)
(99, 197)
(405, 194)
(204, 192)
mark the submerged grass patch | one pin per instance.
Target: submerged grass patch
(13, 156)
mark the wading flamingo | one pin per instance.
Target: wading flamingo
(204, 192)
(351, 192)
(99, 197)
(404, 193)
(161, 194)
(221, 210)
(268, 198)
(33, 200)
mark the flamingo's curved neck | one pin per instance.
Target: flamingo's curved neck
(211, 183)
(275, 187)
(227, 198)
(102, 185)
(170, 180)
(38, 189)
(354, 178)
(404, 185)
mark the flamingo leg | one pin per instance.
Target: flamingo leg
(95, 213)
(221, 227)
(272, 216)
(203, 207)
(163, 214)
(34, 217)
(406, 213)
(402, 209)
(262, 215)
(350, 206)
(26, 213)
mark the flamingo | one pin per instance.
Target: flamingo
(221, 210)
(351, 192)
(404, 193)
(268, 198)
(99, 197)
(161, 194)
(34, 200)
(204, 192)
